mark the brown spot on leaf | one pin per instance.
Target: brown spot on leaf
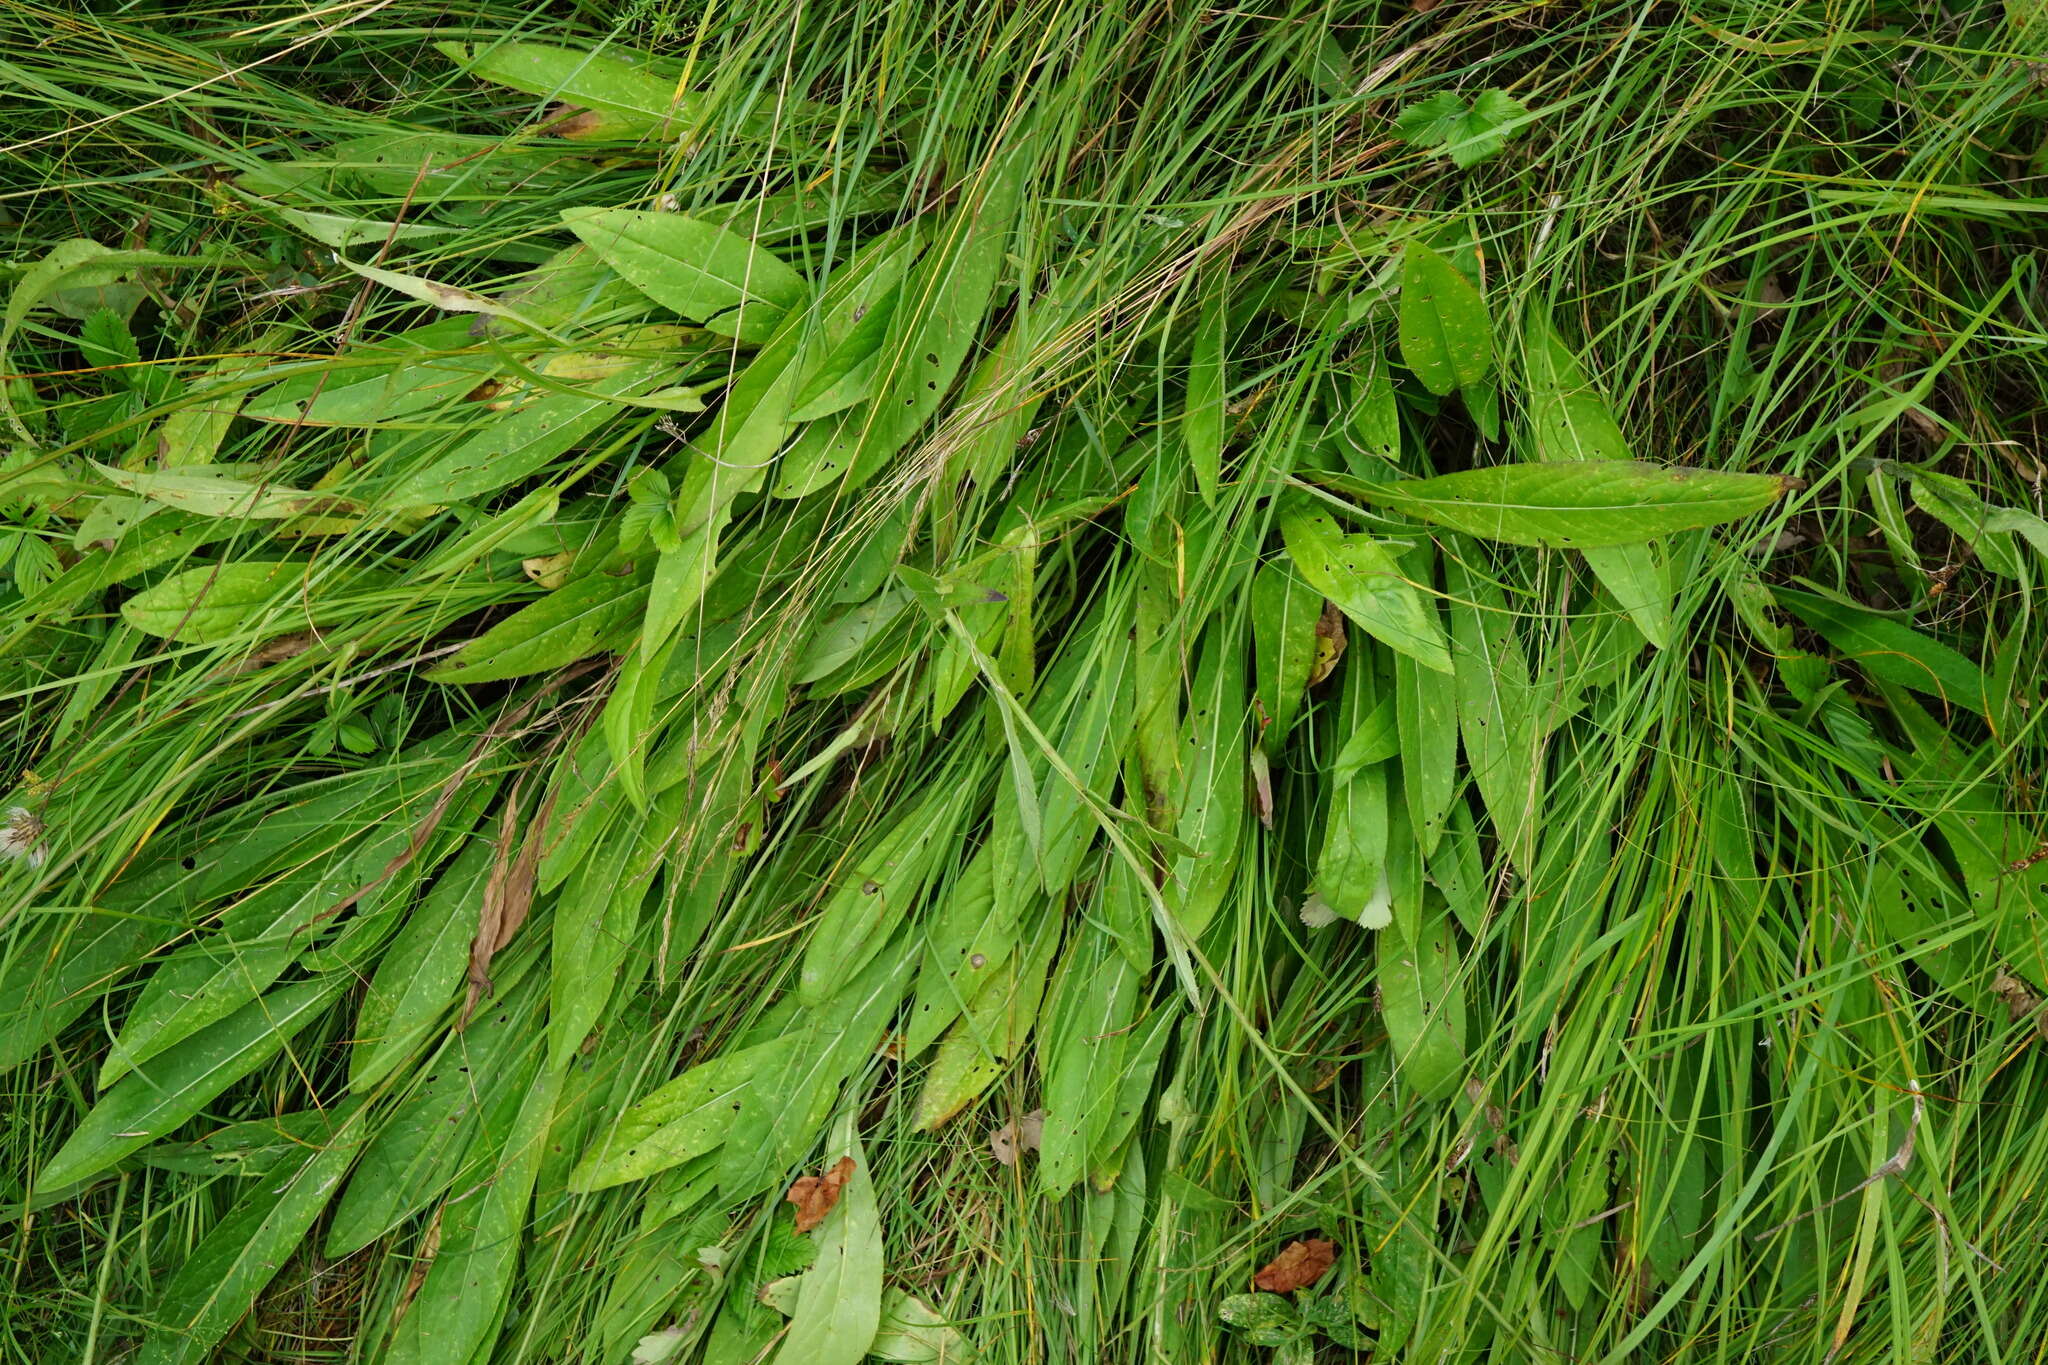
(566, 120)
(815, 1195)
(1298, 1265)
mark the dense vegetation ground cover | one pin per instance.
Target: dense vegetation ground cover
(1095, 682)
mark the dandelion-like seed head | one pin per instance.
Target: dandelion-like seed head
(21, 836)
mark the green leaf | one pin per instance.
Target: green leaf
(1956, 505)
(695, 269)
(571, 623)
(1636, 576)
(1499, 712)
(419, 976)
(780, 1115)
(220, 1279)
(913, 1333)
(1264, 1319)
(427, 1140)
(1469, 133)
(839, 1299)
(1567, 416)
(78, 263)
(1446, 332)
(679, 1121)
(269, 929)
(1081, 1050)
(433, 366)
(1213, 803)
(518, 444)
(171, 1088)
(1572, 506)
(219, 602)
(1570, 421)
(1426, 718)
(1423, 1004)
(932, 331)
(1889, 650)
(634, 98)
(1368, 586)
(201, 490)
(1285, 610)
(483, 1232)
(1351, 866)
(1205, 422)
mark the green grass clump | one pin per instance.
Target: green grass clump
(1333, 682)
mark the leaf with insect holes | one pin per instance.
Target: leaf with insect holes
(1467, 133)
(1264, 1319)
(1365, 581)
(1423, 1006)
(1446, 332)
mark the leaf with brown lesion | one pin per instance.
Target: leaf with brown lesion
(1298, 1265)
(816, 1195)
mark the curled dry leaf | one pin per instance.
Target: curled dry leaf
(1012, 1140)
(508, 896)
(2021, 1002)
(1298, 1265)
(423, 1261)
(815, 1195)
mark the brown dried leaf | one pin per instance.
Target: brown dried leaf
(508, 896)
(1298, 1265)
(423, 1261)
(814, 1195)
